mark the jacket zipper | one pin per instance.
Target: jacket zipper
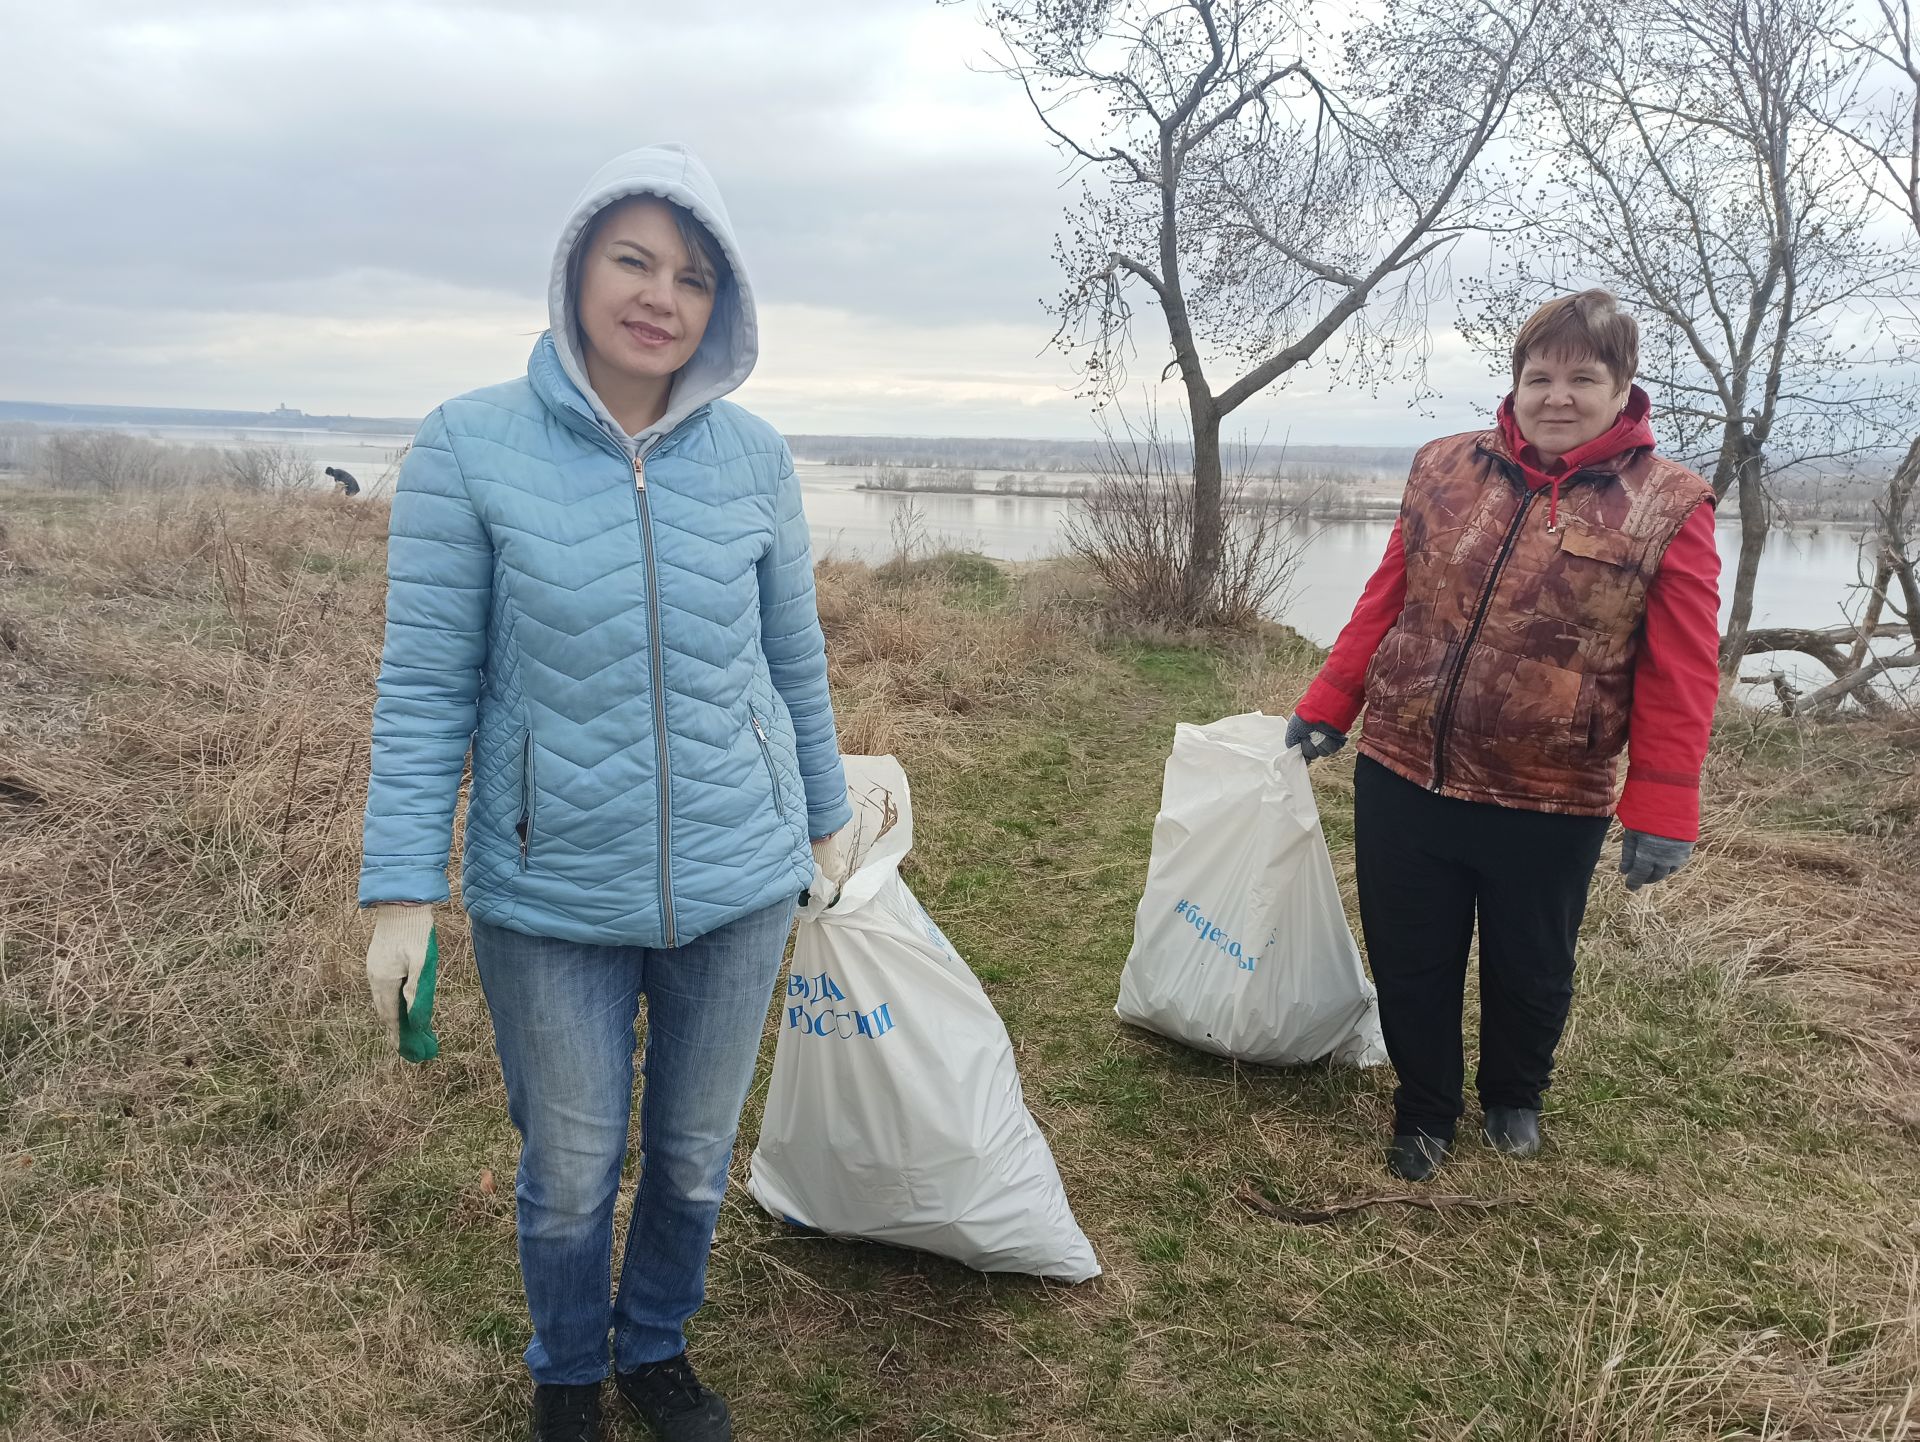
(665, 765)
(525, 828)
(637, 459)
(1458, 674)
(766, 755)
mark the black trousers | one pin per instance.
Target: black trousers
(1427, 865)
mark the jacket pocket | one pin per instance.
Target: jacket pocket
(524, 827)
(766, 755)
(1612, 548)
(1542, 705)
(1590, 578)
(1403, 676)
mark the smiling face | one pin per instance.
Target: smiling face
(1563, 399)
(643, 297)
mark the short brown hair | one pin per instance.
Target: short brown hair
(1590, 323)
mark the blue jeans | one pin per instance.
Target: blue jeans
(563, 1021)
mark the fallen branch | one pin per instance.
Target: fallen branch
(1836, 691)
(1826, 645)
(1820, 642)
(1785, 690)
(1251, 1197)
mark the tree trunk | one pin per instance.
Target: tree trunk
(1894, 525)
(1753, 541)
(1203, 557)
(1876, 603)
(1726, 465)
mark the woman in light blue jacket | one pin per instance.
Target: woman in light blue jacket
(600, 584)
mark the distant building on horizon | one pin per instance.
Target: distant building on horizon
(286, 412)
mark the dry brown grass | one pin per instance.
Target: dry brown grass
(1798, 918)
(189, 1099)
(907, 665)
(195, 1109)
(1642, 1362)
(1808, 882)
(228, 1214)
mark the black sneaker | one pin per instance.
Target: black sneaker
(1513, 1131)
(673, 1404)
(1415, 1158)
(566, 1414)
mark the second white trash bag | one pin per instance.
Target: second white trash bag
(895, 1111)
(1241, 946)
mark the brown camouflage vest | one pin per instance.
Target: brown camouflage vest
(1509, 676)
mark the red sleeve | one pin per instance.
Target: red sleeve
(1676, 684)
(1339, 691)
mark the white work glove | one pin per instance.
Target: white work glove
(402, 962)
(831, 867)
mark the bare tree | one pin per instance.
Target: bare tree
(1893, 590)
(1707, 190)
(1264, 184)
(20, 447)
(1882, 134)
(106, 461)
(1135, 527)
(114, 461)
(268, 468)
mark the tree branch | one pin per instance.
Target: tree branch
(1403, 253)
(1856, 683)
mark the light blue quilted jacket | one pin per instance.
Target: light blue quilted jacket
(622, 630)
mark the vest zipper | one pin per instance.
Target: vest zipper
(664, 762)
(766, 755)
(1444, 720)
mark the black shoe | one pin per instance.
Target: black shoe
(1513, 1131)
(1415, 1158)
(566, 1414)
(673, 1404)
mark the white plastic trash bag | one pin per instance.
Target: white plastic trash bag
(895, 1111)
(1241, 946)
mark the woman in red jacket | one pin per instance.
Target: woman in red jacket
(1550, 589)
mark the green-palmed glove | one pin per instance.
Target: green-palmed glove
(403, 962)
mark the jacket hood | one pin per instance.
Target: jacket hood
(731, 344)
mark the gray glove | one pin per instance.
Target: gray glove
(1645, 858)
(1313, 739)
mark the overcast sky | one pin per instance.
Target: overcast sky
(350, 208)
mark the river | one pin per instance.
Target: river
(1804, 574)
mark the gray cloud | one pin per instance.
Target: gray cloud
(351, 206)
(229, 146)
